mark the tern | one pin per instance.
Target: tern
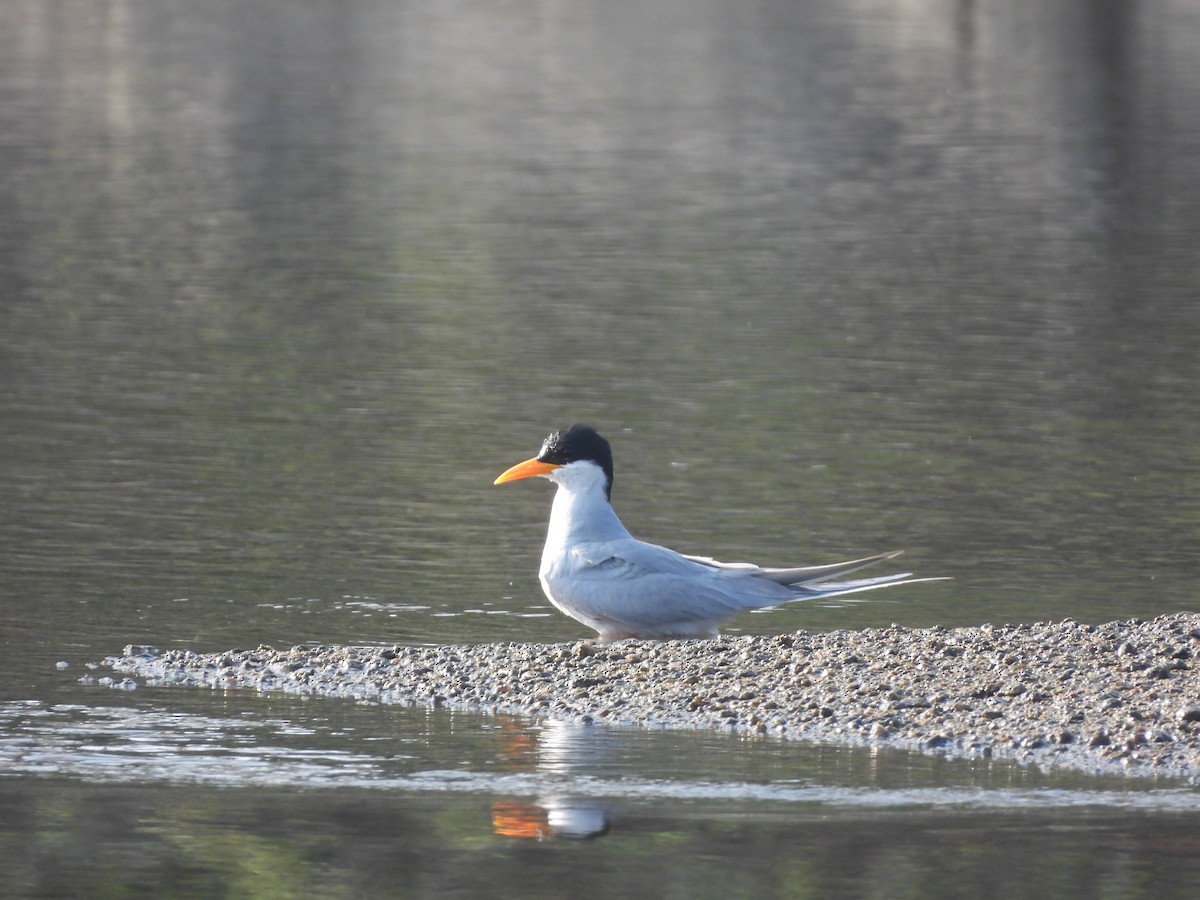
(596, 572)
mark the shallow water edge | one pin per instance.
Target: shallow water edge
(1123, 697)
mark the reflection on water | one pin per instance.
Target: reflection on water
(555, 775)
(282, 286)
(86, 841)
(319, 794)
(558, 749)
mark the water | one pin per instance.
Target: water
(246, 795)
(285, 286)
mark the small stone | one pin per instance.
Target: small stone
(1189, 713)
(1032, 691)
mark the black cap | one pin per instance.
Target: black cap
(578, 443)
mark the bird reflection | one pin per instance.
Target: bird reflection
(556, 748)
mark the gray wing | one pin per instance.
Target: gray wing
(629, 585)
(633, 582)
(803, 575)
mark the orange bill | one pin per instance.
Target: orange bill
(526, 469)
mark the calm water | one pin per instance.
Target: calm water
(283, 286)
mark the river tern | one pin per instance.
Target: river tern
(595, 571)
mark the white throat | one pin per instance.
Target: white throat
(581, 511)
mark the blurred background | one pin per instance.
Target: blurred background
(285, 285)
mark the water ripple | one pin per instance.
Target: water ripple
(123, 745)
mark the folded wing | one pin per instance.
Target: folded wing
(802, 574)
(627, 585)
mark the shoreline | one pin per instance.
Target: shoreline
(1117, 698)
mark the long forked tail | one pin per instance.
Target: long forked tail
(834, 588)
(812, 581)
(806, 575)
(807, 582)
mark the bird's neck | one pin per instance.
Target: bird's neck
(582, 515)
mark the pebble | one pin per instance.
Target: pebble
(1122, 697)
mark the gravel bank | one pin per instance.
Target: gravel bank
(1120, 697)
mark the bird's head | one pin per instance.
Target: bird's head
(566, 449)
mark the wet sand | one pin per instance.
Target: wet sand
(1119, 697)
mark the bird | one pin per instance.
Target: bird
(596, 572)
